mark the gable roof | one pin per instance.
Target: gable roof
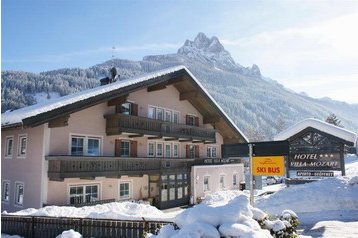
(347, 136)
(179, 76)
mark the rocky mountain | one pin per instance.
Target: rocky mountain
(260, 106)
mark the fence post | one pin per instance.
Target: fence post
(146, 226)
(32, 234)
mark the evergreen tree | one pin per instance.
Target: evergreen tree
(332, 119)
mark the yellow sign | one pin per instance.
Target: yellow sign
(268, 165)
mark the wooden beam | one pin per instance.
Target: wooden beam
(154, 137)
(210, 142)
(59, 122)
(118, 100)
(88, 178)
(232, 140)
(198, 141)
(211, 119)
(156, 87)
(188, 95)
(137, 135)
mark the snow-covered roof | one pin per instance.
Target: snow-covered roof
(17, 117)
(319, 125)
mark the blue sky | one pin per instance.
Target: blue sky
(307, 46)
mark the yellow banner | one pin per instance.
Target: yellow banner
(268, 165)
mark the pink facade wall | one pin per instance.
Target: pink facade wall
(92, 123)
(213, 172)
(108, 187)
(27, 170)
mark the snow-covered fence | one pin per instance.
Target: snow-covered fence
(49, 227)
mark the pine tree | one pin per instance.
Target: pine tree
(332, 119)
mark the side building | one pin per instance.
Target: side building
(156, 137)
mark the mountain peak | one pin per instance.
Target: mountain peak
(204, 43)
(208, 49)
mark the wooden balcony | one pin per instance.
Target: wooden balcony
(61, 167)
(118, 123)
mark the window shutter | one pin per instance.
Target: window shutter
(133, 148)
(134, 109)
(117, 148)
(187, 151)
(196, 121)
(196, 151)
(187, 119)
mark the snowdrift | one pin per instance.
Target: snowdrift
(338, 193)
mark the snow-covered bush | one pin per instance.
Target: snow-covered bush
(282, 227)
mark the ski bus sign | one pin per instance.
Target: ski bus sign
(268, 165)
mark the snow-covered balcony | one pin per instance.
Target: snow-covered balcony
(119, 123)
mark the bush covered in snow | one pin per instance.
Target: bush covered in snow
(234, 219)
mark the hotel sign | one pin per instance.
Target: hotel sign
(315, 161)
(268, 165)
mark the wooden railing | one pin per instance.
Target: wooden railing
(49, 227)
(118, 123)
(61, 167)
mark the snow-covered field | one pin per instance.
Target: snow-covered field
(326, 208)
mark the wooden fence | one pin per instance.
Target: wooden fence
(50, 227)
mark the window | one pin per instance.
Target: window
(163, 114)
(126, 108)
(222, 181)
(151, 112)
(93, 147)
(151, 146)
(160, 114)
(176, 117)
(124, 190)
(159, 149)
(168, 115)
(191, 151)
(211, 152)
(206, 183)
(234, 179)
(164, 188)
(9, 146)
(83, 145)
(77, 146)
(19, 193)
(125, 148)
(84, 194)
(168, 149)
(22, 145)
(175, 150)
(190, 120)
(5, 193)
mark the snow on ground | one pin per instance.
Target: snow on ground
(9, 236)
(234, 218)
(115, 210)
(69, 234)
(338, 193)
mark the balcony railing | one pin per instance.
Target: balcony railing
(118, 123)
(61, 167)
